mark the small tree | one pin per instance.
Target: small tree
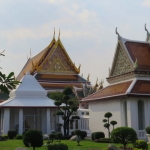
(66, 112)
(113, 123)
(78, 133)
(33, 138)
(107, 125)
(123, 135)
(9, 82)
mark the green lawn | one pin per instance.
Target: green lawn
(85, 145)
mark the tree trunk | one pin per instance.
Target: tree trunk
(67, 127)
(33, 148)
(64, 128)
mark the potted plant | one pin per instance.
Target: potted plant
(148, 133)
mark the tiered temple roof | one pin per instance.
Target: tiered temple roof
(130, 71)
(54, 69)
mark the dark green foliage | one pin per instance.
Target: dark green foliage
(148, 130)
(57, 103)
(18, 136)
(106, 125)
(77, 132)
(59, 146)
(65, 112)
(124, 135)
(113, 123)
(57, 96)
(99, 135)
(108, 115)
(72, 133)
(52, 136)
(5, 136)
(105, 140)
(83, 134)
(141, 144)
(2, 138)
(33, 138)
(11, 134)
(93, 136)
(58, 136)
(104, 120)
(67, 91)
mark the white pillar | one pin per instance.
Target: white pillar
(48, 121)
(6, 120)
(20, 120)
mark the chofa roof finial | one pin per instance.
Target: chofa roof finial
(59, 34)
(146, 28)
(54, 33)
(117, 31)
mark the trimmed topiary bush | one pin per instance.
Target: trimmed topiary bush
(124, 135)
(83, 134)
(141, 144)
(59, 146)
(52, 136)
(92, 136)
(11, 134)
(33, 138)
(58, 136)
(72, 133)
(99, 135)
(19, 136)
(148, 130)
(5, 136)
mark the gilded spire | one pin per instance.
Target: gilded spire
(54, 33)
(88, 77)
(101, 84)
(30, 53)
(59, 35)
(79, 68)
(117, 33)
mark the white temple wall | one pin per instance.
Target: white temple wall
(97, 110)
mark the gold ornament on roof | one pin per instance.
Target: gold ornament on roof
(36, 67)
(54, 33)
(79, 68)
(135, 64)
(101, 84)
(88, 77)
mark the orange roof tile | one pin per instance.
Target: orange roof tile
(141, 52)
(141, 87)
(110, 91)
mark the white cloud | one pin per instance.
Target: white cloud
(54, 1)
(146, 3)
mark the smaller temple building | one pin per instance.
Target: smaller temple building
(28, 108)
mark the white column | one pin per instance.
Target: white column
(20, 120)
(48, 121)
(6, 120)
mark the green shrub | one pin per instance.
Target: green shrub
(72, 133)
(19, 136)
(11, 134)
(33, 138)
(99, 135)
(92, 136)
(105, 140)
(5, 136)
(2, 138)
(148, 130)
(141, 144)
(52, 136)
(59, 146)
(58, 136)
(124, 135)
(83, 134)
(77, 132)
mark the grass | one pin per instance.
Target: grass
(85, 145)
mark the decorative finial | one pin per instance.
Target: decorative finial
(30, 53)
(96, 82)
(54, 33)
(59, 34)
(79, 67)
(88, 77)
(146, 28)
(117, 31)
(101, 84)
(135, 64)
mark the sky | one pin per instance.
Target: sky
(87, 30)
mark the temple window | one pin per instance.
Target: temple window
(141, 116)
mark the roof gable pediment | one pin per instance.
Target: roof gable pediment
(121, 63)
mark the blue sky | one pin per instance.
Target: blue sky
(87, 30)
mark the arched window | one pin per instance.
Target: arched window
(141, 116)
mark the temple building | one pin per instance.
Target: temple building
(127, 96)
(54, 70)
